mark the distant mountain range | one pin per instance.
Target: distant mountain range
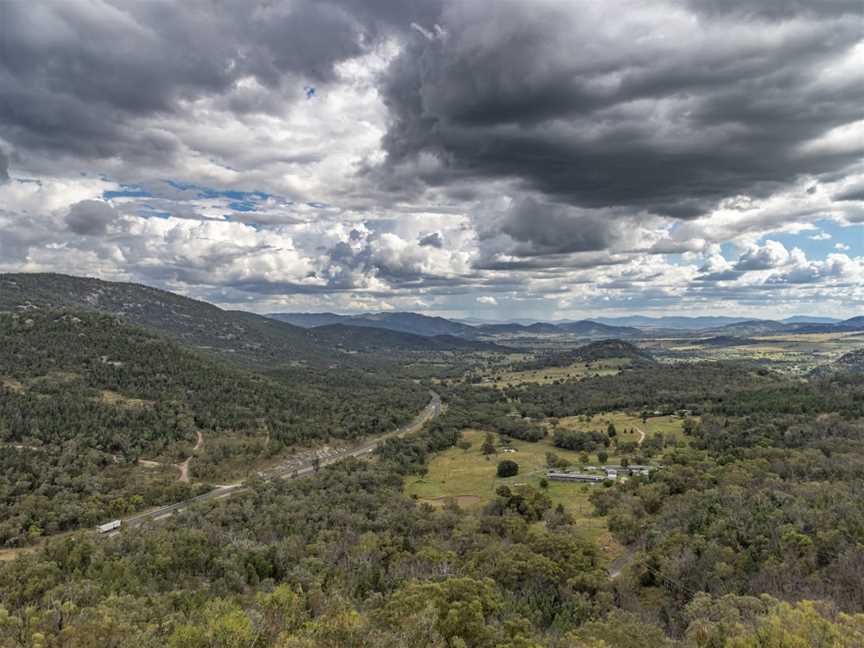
(771, 327)
(326, 339)
(700, 323)
(601, 327)
(431, 326)
(402, 322)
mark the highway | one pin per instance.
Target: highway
(432, 410)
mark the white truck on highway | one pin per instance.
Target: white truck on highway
(109, 526)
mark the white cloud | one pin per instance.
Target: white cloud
(332, 234)
(772, 254)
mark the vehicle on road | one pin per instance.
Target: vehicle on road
(109, 526)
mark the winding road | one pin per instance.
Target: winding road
(432, 410)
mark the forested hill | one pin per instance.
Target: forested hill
(593, 352)
(238, 335)
(84, 395)
(851, 362)
(375, 339)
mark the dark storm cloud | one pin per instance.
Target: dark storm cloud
(659, 111)
(432, 240)
(851, 193)
(541, 228)
(776, 9)
(90, 217)
(4, 168)
(532, 228)
(74, 75)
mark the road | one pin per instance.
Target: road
(432, 410)
(184, 466)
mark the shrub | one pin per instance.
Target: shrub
(507, 468)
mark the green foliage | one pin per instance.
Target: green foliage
(763, 505)
(488, 446)
(507, 468)
(339, 558)
(84, 396)
(580, 441)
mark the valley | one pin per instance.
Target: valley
(379, 482)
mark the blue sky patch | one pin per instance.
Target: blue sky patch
(817, 245)
(126, 191)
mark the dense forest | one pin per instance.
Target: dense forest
(83, 396)
(662, 387)
(750, 533)
(749, 536)
(588, 353)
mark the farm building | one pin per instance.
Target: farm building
(573, 477)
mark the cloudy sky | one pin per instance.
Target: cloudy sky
(457, 157)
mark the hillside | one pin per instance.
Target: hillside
(607, 349)
(371, 340)
(853, 323)
(587, 328)
(803, 325)
(538, 328)
(83, 396)
(243, 337)
(413, 323)
(751, 327)
(592, 352)
(851, 362)
(310, 320)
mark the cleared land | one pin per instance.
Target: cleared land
(469, 478)
(627, 424)
(547, 375)
(792, 353)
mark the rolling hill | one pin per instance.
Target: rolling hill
(851, 362)
(372, 339)
(241, 336)
(593, 352)
(84, 395)
(413, 323)
(772, 327)
(588, 328)
(434, 326)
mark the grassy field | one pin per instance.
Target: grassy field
(469, 477)
(627, 424)
(793, 353)
(577, 371)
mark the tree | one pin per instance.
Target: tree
(610, 429)
(688, 427)
(507, 468)
(464, 445)
(488, 447)
(602, 456)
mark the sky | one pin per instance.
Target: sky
(536, 159)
